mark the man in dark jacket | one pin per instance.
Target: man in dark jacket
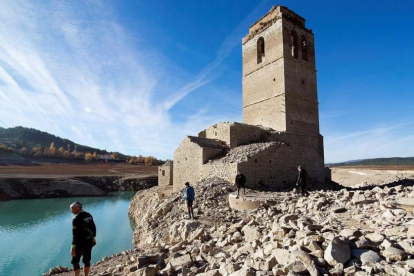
(302, 181)
(189, 196)
(84, 232)
(240, 181)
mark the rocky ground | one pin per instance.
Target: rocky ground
(361, 230)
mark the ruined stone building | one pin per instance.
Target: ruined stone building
(280, 113)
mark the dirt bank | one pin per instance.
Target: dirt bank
(69, 180)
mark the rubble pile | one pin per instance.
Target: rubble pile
(243, 153)
(154, 216)
(345, 232)
(328, 233)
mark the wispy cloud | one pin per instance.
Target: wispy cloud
(386, 141)
(207, 74)
(68, 68)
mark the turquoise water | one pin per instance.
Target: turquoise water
(36, 234)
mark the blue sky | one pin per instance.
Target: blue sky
(137, 76)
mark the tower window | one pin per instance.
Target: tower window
(304, 48)
(260, 49)
(294, 44)
(163, 172)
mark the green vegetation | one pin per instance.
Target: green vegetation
(392, 161)
(36, 143)
(5, 149)
(30, 138)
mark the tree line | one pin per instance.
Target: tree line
(30, 138)
(60, 152)
(5, 149)
(145, 160)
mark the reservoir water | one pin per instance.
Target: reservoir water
(36, 234)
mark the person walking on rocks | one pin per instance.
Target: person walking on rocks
(302, 181)
(84, 233)
(240, 182)
(189, 196)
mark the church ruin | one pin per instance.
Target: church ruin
(280, 128)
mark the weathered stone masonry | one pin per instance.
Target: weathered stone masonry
(280, 113)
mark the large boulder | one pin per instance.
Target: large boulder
(337, 252)
(251, 233)
(281, 255)
(183, 230)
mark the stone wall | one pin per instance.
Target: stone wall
(189, 157)
(234, 134)
(210, 153)
(306, 151)
(273, 49)
(187, 164)
(274, 166)
(279, 89)
(165, 174)
(224, 171)
(263, 82)
(268, 113)
(219, 131)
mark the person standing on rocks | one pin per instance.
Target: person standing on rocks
(302, 181)
(189, 196)
(84, 233)
(240, 182)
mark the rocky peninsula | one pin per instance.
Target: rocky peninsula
(361, 230)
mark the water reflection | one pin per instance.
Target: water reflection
(36, 234)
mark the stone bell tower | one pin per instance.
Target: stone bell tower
(279, 75)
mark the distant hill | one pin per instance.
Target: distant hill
(391, 161)
(30, 138)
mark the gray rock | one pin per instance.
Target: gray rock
(395, 254)
(298, 267)
(337, 252)
(181, 261)
(359, 198)
(375, 237)
(281, 255)
(366, 256)
(251, 233)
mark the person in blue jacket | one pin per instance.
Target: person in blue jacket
(189, 196)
